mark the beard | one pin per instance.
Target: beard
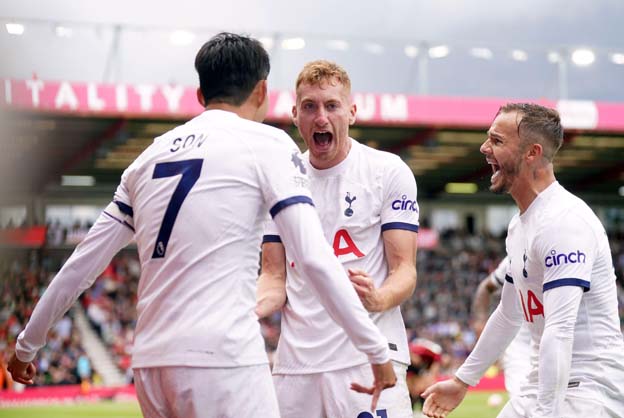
(507, 173)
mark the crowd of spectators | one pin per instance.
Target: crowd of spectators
(439, 310)
(22, 282)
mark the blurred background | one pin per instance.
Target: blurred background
(86, 86)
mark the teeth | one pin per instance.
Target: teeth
(322, 137)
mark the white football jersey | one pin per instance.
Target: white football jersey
(369, 192)
(559, 241)
(198, 197)
(516, 361)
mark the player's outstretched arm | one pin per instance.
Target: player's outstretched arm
(400, 249)
(271, 289)
(443, 397)
(108, 235)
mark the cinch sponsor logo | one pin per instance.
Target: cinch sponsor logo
(404, 204)
(557, 259)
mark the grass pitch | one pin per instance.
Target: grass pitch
(474, 406)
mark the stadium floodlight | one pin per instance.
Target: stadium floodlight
(439, 51)
(411, 51)
(181, 37)
(583, 57)
(293, 43)
(15, 28)
(338, 45)
(77, 181)
(374, 48)
(482, 53)
(617, 58)
(519, 55)
(267, 42)
(621, 191)
(63, 31)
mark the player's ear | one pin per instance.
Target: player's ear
(535, 152)
(260, 92)
(294, 115)
(352, 112)
(200, 97)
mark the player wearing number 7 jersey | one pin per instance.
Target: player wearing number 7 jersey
(195, 201)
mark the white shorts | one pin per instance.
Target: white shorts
(206, 392)
(524, 407)
(328, 395)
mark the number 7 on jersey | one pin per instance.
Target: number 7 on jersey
(190, 171)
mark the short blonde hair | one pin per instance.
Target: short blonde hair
(316, 72)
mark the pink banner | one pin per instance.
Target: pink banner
(180, 102)
(54, 394)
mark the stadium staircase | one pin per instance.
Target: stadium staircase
(101, 358)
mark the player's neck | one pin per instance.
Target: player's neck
(525, 191)
(244, 111)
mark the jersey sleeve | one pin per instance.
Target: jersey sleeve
(499, 331)
(283, 175)
(502, 271)
(270, 234)
(88, 260)
(399, 207)
(566, 250)
(122, 198)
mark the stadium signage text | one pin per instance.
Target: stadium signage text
(180, 102)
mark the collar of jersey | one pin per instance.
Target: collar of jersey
(339, 168)
(219, 113)
(544, 197)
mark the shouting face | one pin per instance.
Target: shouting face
(323, 113)
(502, 150)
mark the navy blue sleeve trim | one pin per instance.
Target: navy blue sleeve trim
(567, 282)
(508, 278)
(125, 209)
(271, 238)
(119, 220)
(399, 225)
(499, 280)
(282, 204)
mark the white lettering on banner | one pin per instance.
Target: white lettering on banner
(394, 107)
(121, 97)
(145, 92)
(35, 86)
(93, 101)
(8, 94)
(578, 114)
(366, 106)
(284, 105)
(173, 94)
(66, 97)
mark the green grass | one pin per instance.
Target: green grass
(104, 409)
(474, 406)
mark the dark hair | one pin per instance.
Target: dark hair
(229, 67)
(538, 124)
